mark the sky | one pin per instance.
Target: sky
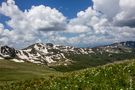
(80, 23)
(69, 7)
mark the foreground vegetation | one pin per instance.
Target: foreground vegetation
(117, 76)
(12, 71)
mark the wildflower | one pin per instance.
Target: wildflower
(65, 87)
(76, 86)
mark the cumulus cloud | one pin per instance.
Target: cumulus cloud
(121, 12)
(27, 26)
(102, 25)
(86, 21)
(45, 18)
(109, 7)
(107, 22)
(1, 28)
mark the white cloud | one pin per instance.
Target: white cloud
(1, 28)
(90, 27)
(10, 1)
(127, 9)
(27, 26)
(108, 7)
(127, 15)
(120, 11)
(100, 30)
(86, 21)
(45, 18)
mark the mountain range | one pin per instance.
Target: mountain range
(58, 55)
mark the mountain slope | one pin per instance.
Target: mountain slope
(13, 71)
(58, 55)
(117, 76)
(43, 54)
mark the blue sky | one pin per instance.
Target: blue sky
(68, 7)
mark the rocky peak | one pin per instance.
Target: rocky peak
(49, 44)
(7, 52)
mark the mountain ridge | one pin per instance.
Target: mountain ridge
(50, 54)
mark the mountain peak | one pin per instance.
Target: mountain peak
(7, 52)
(51, 54)
(49, 44)
(130, 44)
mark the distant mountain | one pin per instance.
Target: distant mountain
(127, 46)
(56, 55)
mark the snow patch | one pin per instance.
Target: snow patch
(16, 60)
(49, 60)
(1, 58)
(22, 56)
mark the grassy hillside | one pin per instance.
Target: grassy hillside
(86, 61)
(117, 76)
(12, 71)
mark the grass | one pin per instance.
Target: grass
(117, 76)
(12, 71)
(87, 61)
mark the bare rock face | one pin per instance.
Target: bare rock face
(7, 52)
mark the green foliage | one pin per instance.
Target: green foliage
(12, 71)
(86, 61)
(118, 76)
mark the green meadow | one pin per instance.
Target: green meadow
(25, 76)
